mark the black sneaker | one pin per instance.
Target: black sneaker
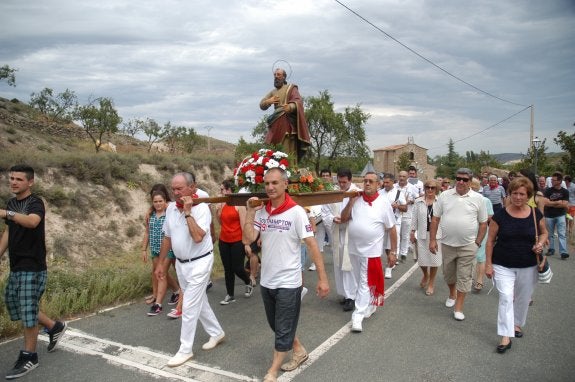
(210, 284)
(26, 363)
(56, 334)
(174, 299)
(564, 256)
(550, 252)
(155, 310)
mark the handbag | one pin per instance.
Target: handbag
(544, 274)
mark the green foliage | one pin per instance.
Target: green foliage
(448, 164)
(544, 165)
(403, 162)
(153, 131)
(244, 148)
(567, 143)
(56, 107)
(190, 140)
(334, 135)
(7, 73)
(476, 162)
(99, 118)
(132, 127)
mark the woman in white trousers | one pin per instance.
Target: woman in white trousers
(516, 237)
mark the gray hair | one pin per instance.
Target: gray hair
(466, 171)
(188, 176)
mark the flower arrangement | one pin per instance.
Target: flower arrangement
(250, 173)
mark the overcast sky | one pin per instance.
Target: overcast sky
(208, 63)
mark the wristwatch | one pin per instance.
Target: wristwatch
(10, 215)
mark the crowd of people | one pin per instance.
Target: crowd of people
(475, 227)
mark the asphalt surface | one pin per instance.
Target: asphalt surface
(412, 338)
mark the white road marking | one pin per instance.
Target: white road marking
(341, 333)
(142, 358)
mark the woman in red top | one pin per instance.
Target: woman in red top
(232, 249)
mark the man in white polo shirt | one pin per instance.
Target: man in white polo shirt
(187, 233)
(282, 225)
(463, 218)
(369, 217)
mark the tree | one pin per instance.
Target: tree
(190, 140)
(476, 162)
(403, 162)
(7, 73)
(132, 127)
(59, 106)
(567, 144)
(528, 161)
(154, 132)
(245, 148)
(172, 136)
(337, 139)
(448, 164)
(99, 117)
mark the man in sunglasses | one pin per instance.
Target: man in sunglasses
(463, 218)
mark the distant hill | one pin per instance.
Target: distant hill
(507, 157)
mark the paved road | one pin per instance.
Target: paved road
(413, 338)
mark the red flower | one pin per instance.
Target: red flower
(259, 170)
(265, 160)
(259, 179)
(269, 153)
(285, 162)
(255, 156)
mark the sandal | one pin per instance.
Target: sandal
(296, 360)
(478, 287)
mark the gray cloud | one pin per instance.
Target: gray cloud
(208, 63)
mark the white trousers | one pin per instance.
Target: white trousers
(345, 281)
(320, 233)
(387, 241)
(404, 235)
(194, 278)
(515, 286)
(362, 296)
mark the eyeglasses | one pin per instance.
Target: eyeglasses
(460, 179)
(429, 187)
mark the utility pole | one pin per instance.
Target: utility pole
(531, 128)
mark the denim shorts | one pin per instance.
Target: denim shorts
(282, 307)
(22, 296)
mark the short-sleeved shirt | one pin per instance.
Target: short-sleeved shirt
(367, 226)
(515, 240)
(460, 216)
(176, 228)
(27, 246)
(394, 195)
(553, 195)
(410, 192)
(281, 236)
(496, 195)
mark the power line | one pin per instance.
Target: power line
(487, 128)
(425, 58)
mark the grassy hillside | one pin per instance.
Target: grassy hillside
(96, 203)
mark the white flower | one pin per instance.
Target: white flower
(272, 163)
(250, 174)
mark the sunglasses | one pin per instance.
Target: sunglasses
(460, 179)
(429, 187)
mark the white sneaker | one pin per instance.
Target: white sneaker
(227, 300)
(450, 303)
(370, 311)
(311, 267)
(179, 359)
(459, 316)
(303, 292)
(387, 273)
(214, 341)
(356, 326)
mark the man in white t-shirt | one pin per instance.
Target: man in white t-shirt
(187, 232)
(399, 205)
(369, 216)
(463, 217)
(282, 225)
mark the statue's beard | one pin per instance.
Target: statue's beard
(278, 83)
